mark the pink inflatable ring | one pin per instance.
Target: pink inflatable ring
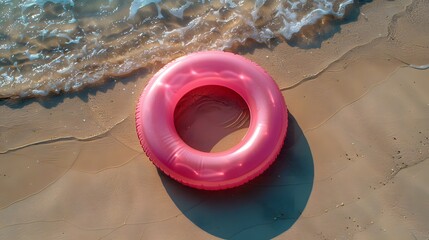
(212, 171)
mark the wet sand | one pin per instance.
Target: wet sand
(71, 165)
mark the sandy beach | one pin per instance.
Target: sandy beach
(354, 164)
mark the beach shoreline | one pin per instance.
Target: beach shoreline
(71, 165)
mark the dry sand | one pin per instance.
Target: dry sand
(71, 166)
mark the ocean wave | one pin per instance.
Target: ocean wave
(53, 46)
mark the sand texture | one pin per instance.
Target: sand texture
(354, 164)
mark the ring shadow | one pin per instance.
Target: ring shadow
(261, 209)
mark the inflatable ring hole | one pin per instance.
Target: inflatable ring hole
(211, 118)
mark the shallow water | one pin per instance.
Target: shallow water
(61, 45)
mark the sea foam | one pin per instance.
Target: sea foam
(62, 45)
